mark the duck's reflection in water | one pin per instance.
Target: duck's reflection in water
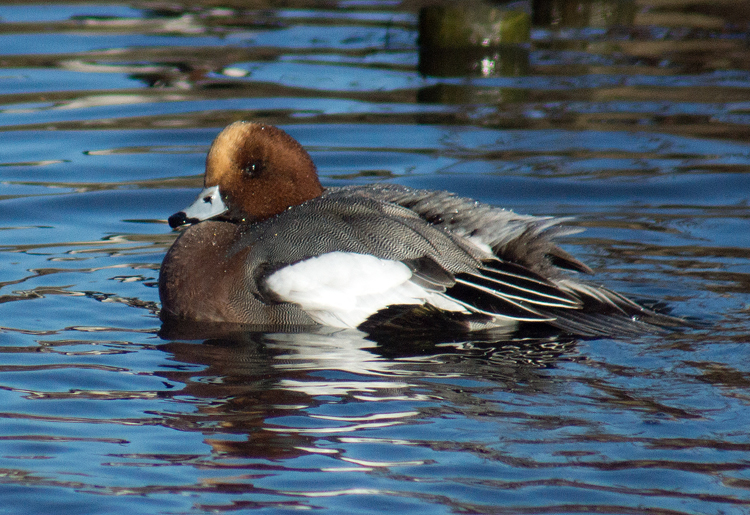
(266, 388)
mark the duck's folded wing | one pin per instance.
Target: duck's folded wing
(344, 258)
(348, 257)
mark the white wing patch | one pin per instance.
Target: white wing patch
(343, 289)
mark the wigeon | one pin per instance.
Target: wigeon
(267, 245)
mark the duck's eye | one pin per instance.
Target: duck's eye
(253, 168)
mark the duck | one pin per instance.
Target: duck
(266, 245)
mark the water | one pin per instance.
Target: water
(639, 131)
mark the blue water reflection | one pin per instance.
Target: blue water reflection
(638, 132)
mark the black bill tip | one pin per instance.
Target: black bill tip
(178, 219)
